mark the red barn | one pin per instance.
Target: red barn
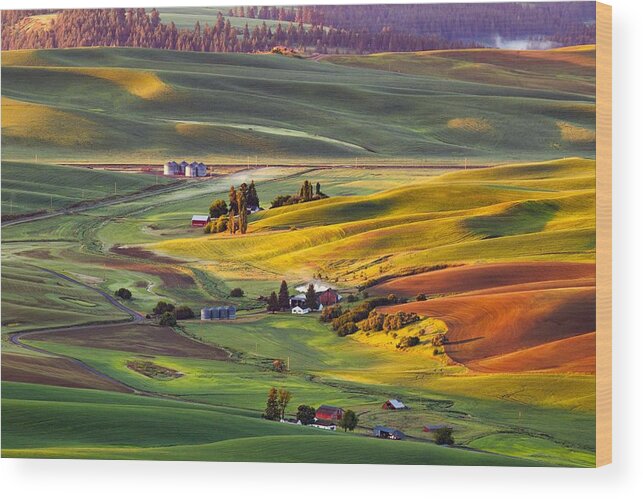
(329, 413)
(329, 297)
(200, 220)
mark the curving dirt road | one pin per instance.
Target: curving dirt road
(135, 316)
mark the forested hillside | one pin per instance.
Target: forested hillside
(323, 29)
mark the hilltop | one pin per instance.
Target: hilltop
(139, 105)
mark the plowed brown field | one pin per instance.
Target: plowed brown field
(140, 338)
(53, 371)
(511, 317)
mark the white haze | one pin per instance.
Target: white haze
(523, 44)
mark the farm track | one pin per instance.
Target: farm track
(98, 204)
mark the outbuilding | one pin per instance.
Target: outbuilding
(385, 432)
(300, 311)
(200, 220)
(329, 297)
(329, 413)
(393, 405)
(298, 301)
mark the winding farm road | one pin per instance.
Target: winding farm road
(135, 317)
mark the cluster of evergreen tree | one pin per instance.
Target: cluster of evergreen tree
(279, 301)
(137, 28)
(306, 193)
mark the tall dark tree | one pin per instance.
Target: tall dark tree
(306, 414)
(311, 297)
(283, 398)
(252, 197)
(272, 406)
(318, 189)
(232, 210)
(242, 206)
(284, 296)
(273, 303)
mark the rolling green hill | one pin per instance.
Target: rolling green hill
(122, 105)
(517, 212)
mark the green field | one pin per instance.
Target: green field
(136, 105)
(33, 187)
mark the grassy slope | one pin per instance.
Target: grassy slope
(159, 104)
(29, 187)
(466, 217)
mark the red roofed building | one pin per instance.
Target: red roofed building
(329, 413)
(200, 220)
(329, 297)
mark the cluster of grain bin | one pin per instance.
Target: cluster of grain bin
(218, 313)
(194, 169)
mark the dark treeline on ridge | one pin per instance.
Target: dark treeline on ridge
(138, 28)
(323, 29)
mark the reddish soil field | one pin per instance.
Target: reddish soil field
(52, 371)
(484, 327)
(478, 277)
(137, 338)
(576, 354)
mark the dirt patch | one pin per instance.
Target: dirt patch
(39, 254)
(171, 276)
(472, 278)
(143, 339)
(143, 254)
(152, 370)
(484, 327)
(54, 371)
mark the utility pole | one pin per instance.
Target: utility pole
(288, 363)
(114, 187)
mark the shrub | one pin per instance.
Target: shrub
(330, 313)
(281, 201)
(408, 341)
(237, 293)
(351, 298)
(209, 228)
(278, 366)
(183, 312)
(420, 297)
(374, 322)
(222, 224)
(218, 208)
(438, 340)
(346, 329)
(392, 298)
(162, 307)
(167, 319)
(124, 293)
(399, 320)
(444, 436)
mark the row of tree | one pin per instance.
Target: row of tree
(233, 216)
(137, 28)
(305, 194)
(278, 302)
